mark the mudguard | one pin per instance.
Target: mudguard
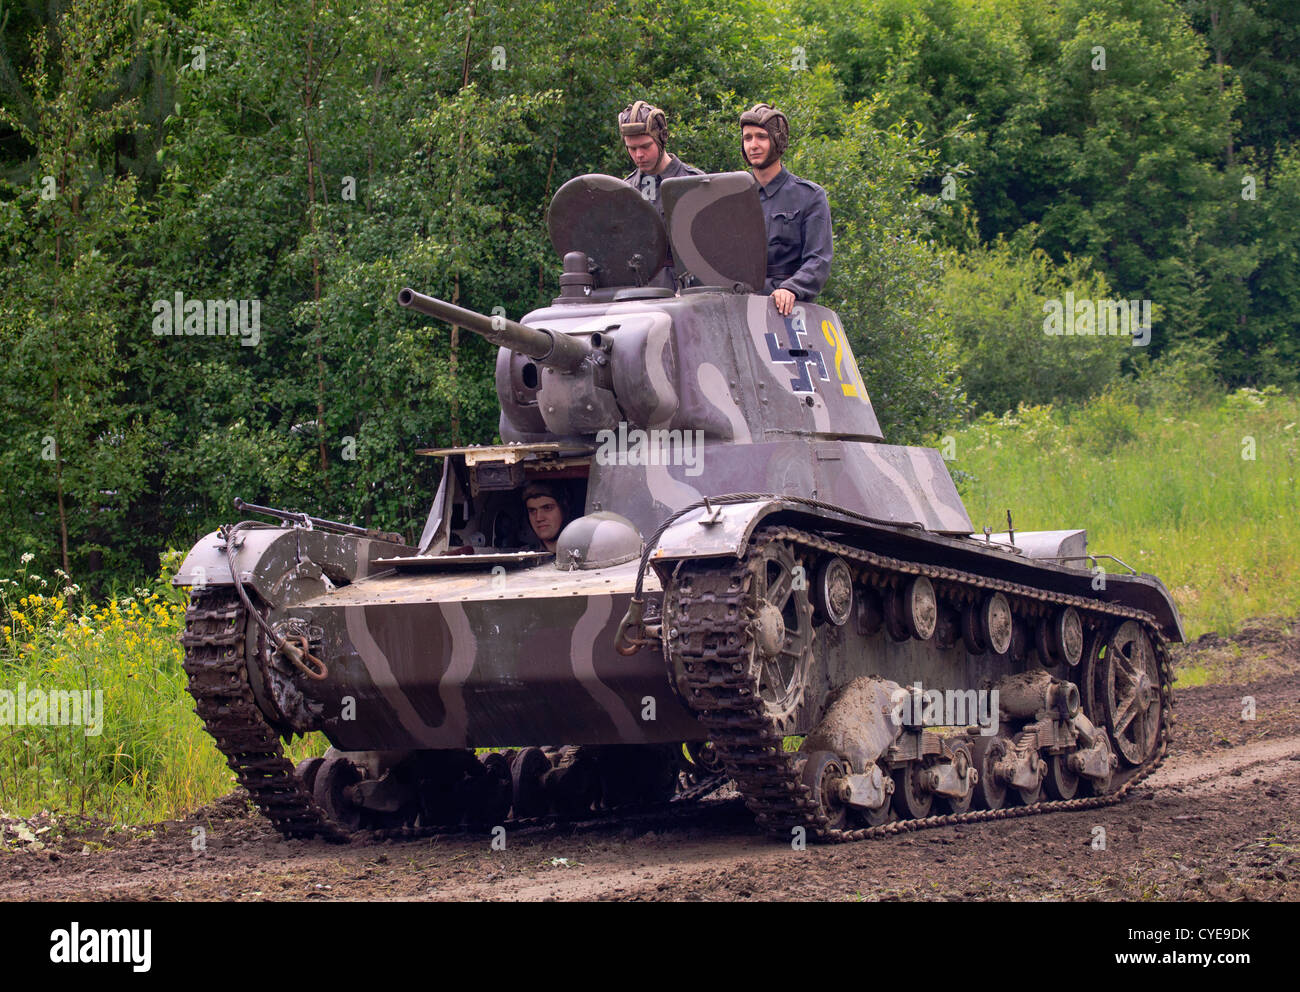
(284, 564)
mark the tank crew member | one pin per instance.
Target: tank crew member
(545, 512)
(644, 130)
(796, 212)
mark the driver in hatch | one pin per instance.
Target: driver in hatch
(545, 513)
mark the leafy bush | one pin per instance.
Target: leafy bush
(1105, 423)
(997, 299)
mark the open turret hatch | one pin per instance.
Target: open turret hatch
(715, 224)
(613, 225)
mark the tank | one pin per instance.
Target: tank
(749, 584)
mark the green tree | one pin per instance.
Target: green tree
(75, 446)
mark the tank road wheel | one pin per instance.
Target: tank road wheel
(782, 631)
(911, 799)
(491, 792)
(823, 773)
(990, 791)
(1059, 638)
(333, 776)
(997, 622)
(920, 608)
(833, 591)
(1130, 692)
(306, 771)
(1061, 782)
(528, 795)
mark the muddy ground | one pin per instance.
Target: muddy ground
(1219, 821)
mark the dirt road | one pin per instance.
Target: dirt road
(1219, 821)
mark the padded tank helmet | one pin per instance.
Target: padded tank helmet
(774, 123)
(642, 118)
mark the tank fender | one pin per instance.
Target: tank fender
(284, 565)
(713, 532)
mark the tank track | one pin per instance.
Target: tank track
(706, 628)
(214, 640)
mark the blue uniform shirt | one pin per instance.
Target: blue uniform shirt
(798, 219)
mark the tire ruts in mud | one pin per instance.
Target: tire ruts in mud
(707, 629)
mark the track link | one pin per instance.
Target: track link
(707, 627)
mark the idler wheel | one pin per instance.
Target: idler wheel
(1060, 783)
(833, 591)
(911, 799)
(528, 796)
(329, 789)
(990, 791)
(306, 771)
(823, 774)
(1130, 692)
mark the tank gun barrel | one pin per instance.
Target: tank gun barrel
(558, 350)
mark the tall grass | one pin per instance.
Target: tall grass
(151, 758)
(1202, 495)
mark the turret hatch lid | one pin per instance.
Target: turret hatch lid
(715, 224)
(618, 229)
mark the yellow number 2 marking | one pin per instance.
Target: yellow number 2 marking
(853, 386)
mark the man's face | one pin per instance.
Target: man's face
(545, 516)
(644, 151)
(757, 144)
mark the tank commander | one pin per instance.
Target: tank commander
(545, 513)
(796, 212)
(644, 130)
